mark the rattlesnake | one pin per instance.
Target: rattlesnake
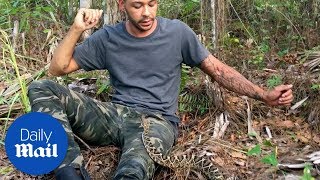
(175, 162)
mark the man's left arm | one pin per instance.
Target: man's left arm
(234, 81)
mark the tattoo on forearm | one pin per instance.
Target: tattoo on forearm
(234, 81)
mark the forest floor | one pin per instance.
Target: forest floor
(292, 138)
(281, 135)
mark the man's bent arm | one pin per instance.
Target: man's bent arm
(62, 61)
(231, 79)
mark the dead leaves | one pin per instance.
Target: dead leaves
(304, 136)
(316, 138)
(298, 129)
(279, 123)
(286, 124)
(2, 86)
(239, 155)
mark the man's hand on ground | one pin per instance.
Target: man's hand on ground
(280, 95)
(86, 19)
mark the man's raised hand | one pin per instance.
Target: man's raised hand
(86, 19)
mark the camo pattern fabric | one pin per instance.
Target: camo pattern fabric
(102, 123)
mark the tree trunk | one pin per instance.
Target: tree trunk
(112, 15)
(70, 9)
(213, 20)
(85, 3)
(220, 20)
(201, 22)
(316, 6)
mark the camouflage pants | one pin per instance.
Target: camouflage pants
(102, 123)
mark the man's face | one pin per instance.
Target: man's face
(141, 13)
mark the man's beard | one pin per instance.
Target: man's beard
(137, 23)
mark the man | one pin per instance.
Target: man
(143, 56)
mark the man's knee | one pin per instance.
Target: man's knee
(43, 91)
(42, 88)
(135, 168)
(41, 84)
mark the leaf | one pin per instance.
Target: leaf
(304, 137)
(315, 86)
(270, 159)
(252, 134)
(307, 173)
(316, 138)
(285, 124)
(5, 170)
(283, 52)
(219, 161)
(102, 88)
(267, 143)
(255, 151)
(238, 155)
(47, 8)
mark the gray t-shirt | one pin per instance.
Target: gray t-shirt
(144, 72)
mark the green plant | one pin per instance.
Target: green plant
(185, 70)
(29, 11)
(25, 11)
(283, 52)
(183, 9)
(13, 101)
(255, 151)
(8, 49)
(281, 24)
(252, 134)
(194, 102)
(103, 86)
(258, 55)
(5, 170)
(230, 41)
(307, 173)
(270, 158)
(274, 81)
(315, 87)
(263, 18)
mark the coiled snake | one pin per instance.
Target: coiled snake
(175, 162)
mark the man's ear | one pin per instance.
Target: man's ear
(121, 5)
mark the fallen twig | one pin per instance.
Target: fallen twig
(84, 143)
(251, 131)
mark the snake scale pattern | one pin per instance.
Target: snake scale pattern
(175, 162)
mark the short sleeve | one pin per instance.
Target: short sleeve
(193, 51)
(89, 55)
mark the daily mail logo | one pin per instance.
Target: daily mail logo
(27, 150)
(36, 143)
